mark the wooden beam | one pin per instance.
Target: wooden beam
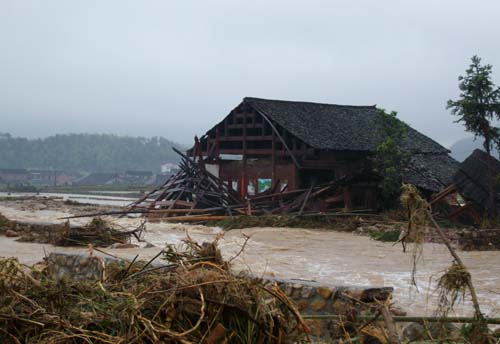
(249, 138)
(281, 139)
(245, 176)
(273, 163)
(240, 126)
(347, 198)
(252, 151)
(443, 193)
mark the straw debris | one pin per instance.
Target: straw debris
(97, 232)
(456, 280)
(452, 286)
(193, 298)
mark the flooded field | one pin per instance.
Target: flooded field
(112, 198)
(329, 257)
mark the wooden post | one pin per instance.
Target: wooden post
(347, 197)
(217, 141)
(273, 163)
(245, 178)
(392, 334)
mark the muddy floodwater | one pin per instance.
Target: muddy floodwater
(326, 256)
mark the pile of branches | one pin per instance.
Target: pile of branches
(5, 224)
(97, 232)
(195, 195)
(191, 191)
(191, 298)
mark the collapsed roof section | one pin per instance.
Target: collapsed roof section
(431, 172)
(472, 177)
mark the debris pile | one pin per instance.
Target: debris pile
(195, 195)
(192, 298)
(191, 192)
(5, 224)
(97, 232)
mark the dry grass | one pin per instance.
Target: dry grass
(452, 287)
(193, 298)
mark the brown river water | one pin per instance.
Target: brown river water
(329, 257)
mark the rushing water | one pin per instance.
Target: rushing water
(330, 257)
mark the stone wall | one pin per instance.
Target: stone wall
(479, 239)
(311, 298)
(79, 267)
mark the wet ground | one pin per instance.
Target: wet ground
(330, 257)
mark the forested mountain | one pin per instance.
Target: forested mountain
(86, 152)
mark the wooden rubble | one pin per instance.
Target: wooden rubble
(194, 194)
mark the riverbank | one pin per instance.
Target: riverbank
(325, 256)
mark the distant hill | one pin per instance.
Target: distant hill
(87, 152)
(464, 147)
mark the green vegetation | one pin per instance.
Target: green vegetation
(340, 223)
(478, 108)
(86, 152)
(479, 103)
(18, 188)
(389, 158)
(5, 224)
(389, 236)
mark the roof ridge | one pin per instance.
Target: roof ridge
(306, 102)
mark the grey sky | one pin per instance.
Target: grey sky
(175, 68)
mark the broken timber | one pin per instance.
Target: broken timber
(194, 194)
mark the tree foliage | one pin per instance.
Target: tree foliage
(479, 103)
(86, 152)
(477, 108)
(389, 159)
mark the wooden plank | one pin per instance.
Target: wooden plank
(306, 199)
(445, 192)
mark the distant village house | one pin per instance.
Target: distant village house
(14, 176)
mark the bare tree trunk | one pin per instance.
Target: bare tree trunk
(454, 254)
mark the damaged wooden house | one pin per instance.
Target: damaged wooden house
(468, 197)
(296, 144)
(275, 156)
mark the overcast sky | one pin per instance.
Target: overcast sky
(174, 68)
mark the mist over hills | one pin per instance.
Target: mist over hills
(461, 149)
(108, 152)
(87, 152)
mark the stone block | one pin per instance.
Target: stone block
(325, 292)
(308, 292)
(302, 304)
(11, 234)
(318, 304)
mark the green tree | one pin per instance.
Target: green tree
(389, 159)
(477, 108)
(87, 152)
